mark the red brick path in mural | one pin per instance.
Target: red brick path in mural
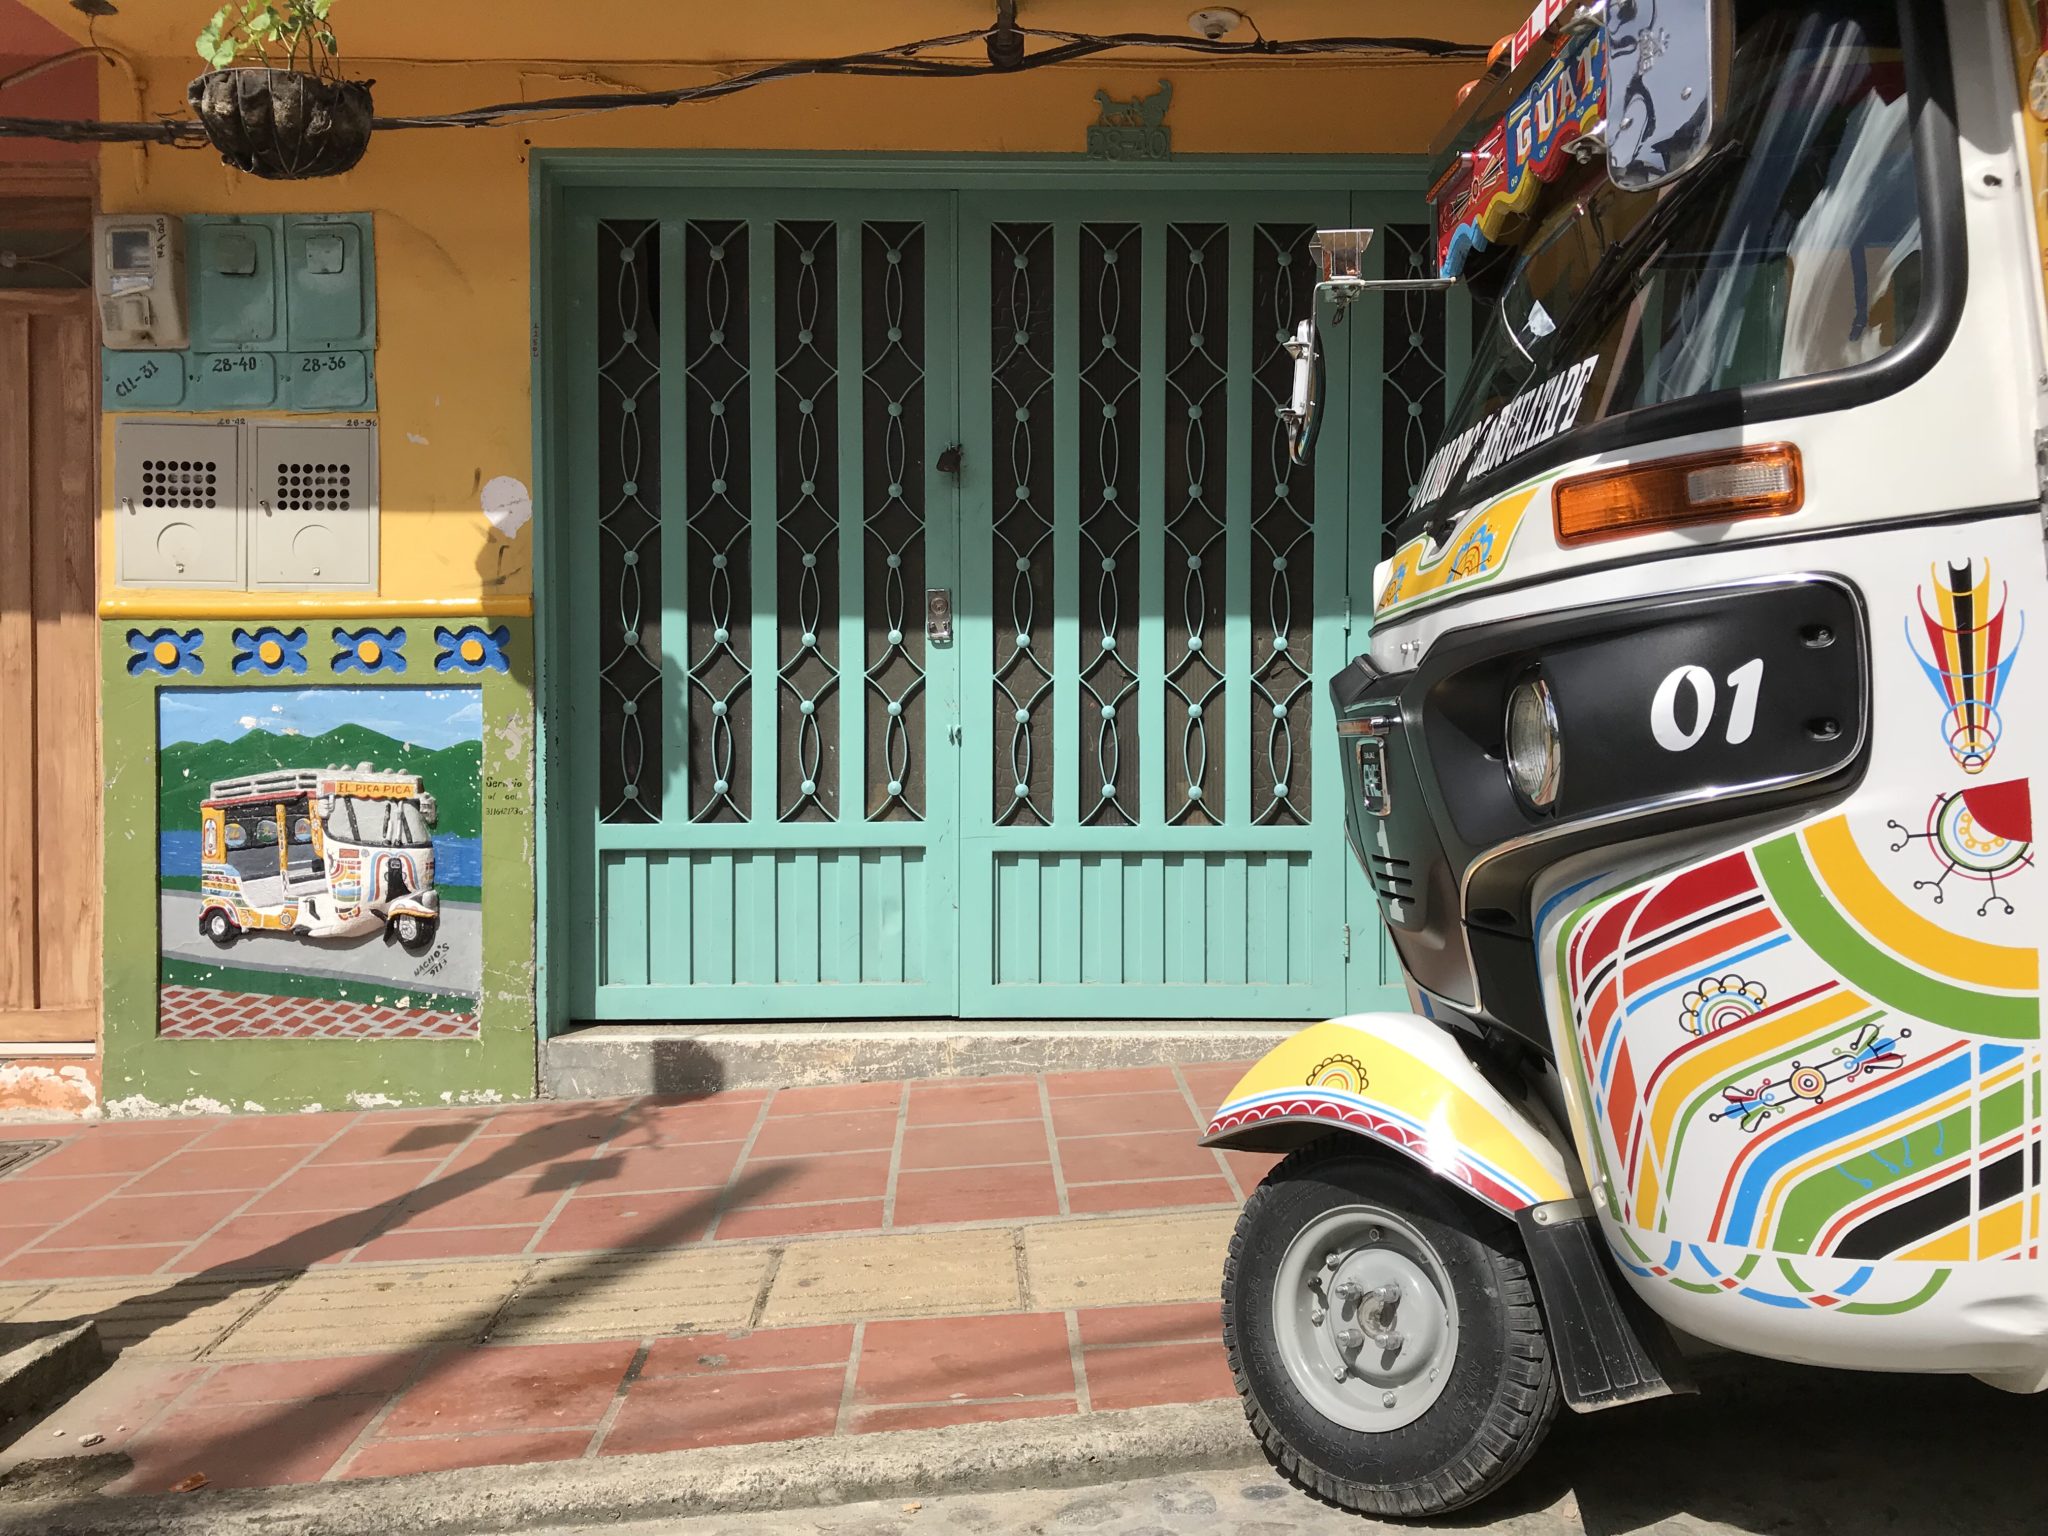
(199, 1013)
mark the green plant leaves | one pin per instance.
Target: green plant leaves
(256, 31)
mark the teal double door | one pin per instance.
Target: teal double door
(945, 628)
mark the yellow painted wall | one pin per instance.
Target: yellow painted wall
(453, 233)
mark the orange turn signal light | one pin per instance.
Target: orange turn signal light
(1722, 487)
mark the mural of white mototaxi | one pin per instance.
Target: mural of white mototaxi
(1690, 758)
(327, 853)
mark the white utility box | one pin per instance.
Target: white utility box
(178, 504)
(315, 517)
(258, 505)
(138, 272)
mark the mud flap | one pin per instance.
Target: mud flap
(1610, 1347)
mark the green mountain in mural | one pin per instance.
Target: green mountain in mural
(453, 775)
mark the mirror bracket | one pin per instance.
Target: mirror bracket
(1342, 292)
(1586, 16)
(1590, 145)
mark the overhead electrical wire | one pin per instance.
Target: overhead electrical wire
(903, 61)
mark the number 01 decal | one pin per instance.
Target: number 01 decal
(1694, 686)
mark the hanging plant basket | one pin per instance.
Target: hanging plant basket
(283, 125)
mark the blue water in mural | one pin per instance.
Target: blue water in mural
(457, 860)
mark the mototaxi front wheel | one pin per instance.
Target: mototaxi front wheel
(415, 933)
(220, 928)
(1384, 1334)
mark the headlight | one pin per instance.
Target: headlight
(1535, 756)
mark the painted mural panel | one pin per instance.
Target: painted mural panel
(319, 862)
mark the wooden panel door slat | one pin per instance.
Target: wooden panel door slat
(62, 404)
(49, 668)
(18, 904)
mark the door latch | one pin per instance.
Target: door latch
(938, 615)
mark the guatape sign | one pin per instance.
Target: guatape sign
(1489, 189)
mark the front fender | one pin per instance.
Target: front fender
(1399, 1079)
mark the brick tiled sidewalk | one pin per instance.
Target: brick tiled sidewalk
(322, 1296)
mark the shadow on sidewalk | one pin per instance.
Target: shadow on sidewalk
(544, 1146)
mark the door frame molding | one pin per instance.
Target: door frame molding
(557, 172)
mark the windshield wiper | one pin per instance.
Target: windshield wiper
(1623, 264)
(1625, 261)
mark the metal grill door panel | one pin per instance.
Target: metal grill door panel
(1105, 797)
(1152, 597)
(759, 750)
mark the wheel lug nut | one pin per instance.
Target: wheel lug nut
(1387, 1399)
(1372, 1234)
(1330, 1259)
(1316, 1314)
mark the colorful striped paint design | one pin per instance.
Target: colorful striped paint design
(1820, 915)
(1382, 1122)
(1850, 1296)
(1884, 1156)
(1694, 1077)
(1879, 1102)
(1353, 1076)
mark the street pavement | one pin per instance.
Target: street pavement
(1766, 1450)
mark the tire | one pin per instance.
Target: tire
(220, 928)
(414, 933)
(1494, 1393)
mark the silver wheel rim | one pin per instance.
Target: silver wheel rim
(409, 929)
(1365, 1319)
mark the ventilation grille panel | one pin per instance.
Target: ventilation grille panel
(304, 486)
(181, 484)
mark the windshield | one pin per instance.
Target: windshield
(1792, 249)
(377, 823)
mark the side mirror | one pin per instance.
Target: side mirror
(1339, 257)
(1298, 415)
(1666, 81)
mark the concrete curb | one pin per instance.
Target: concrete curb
(975, 1458)
(621, 1060)
(40, 1362)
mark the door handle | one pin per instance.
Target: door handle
(938, 615)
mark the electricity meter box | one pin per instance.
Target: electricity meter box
(282, 316)
(138, 269)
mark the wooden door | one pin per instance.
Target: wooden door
(49, 671)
